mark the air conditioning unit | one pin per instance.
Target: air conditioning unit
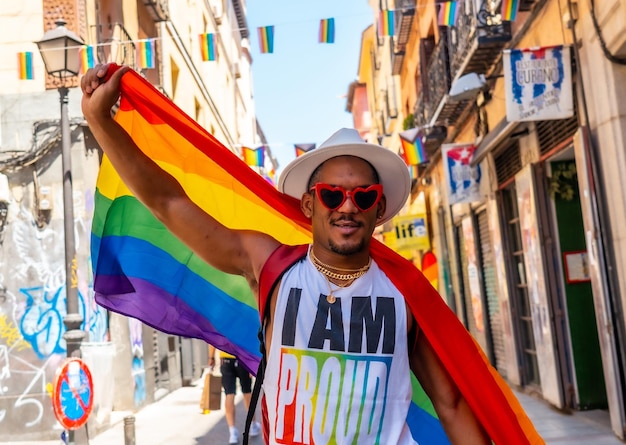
(217, 11)
(236, 71)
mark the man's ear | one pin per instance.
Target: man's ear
(306, 205)
(382, 206)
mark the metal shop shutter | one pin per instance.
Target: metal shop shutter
(488, 267)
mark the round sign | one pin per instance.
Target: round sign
(72, 395)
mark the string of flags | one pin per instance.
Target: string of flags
(208, 47)
(303, 148)
(449, 12)
(386, 23)
(509, 10)
(254, 157)
(146, 49)
(413, 151)
(327, 31)
(266, 39)
(25, 65)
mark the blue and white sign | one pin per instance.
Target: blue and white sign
(538, 84)
(462, 179)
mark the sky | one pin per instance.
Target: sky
(300, 89)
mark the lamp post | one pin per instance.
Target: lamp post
(59, 50)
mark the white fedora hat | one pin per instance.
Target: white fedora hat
(392, 170)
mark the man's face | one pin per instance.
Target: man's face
(347, 229)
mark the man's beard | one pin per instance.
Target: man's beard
(347, 250)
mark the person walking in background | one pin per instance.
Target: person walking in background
(231, 371)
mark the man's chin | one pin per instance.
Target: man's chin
(347, 248)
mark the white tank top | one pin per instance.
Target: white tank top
(338, 373)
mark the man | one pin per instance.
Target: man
(340, 340)
(231, 371)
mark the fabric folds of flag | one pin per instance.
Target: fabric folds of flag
(447, 13)
(386, 23)
(146, 54)
(303, 148)
(509, 10)
(142, 271)
(87, 56)
(327, 31)
(413, 150)
(25, 69)
(208, 47)
(254, 157)
(266, 39)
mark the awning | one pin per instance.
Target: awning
(493, 139)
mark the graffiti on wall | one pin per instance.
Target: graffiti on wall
(137, 367)
(32, 308)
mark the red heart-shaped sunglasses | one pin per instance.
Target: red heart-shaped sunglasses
(333, 197)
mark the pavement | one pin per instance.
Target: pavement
(176, 419)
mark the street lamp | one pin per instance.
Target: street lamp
(59, 50)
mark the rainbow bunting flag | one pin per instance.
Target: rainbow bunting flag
(509, 10)
(208, 47)
(413, 171)
(327, 31)
(447, 13)
(254, 157)
(266, 39)
(303, 148)
(145, 54)
(142, 271)
(413, 150)
(386, 23)
(25, 65)
(87, 57)
(270, 177)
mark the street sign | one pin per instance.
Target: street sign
(72, 394)
(410, 232)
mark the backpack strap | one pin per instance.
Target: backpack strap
(276, 265)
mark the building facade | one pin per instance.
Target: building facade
(131, 364)
(524, 216)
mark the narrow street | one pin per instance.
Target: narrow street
(176, 419)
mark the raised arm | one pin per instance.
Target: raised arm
(455, 415)
(233, 251)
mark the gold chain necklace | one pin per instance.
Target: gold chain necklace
(349, 277)
(331, 297)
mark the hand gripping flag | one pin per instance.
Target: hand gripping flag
(142, 271)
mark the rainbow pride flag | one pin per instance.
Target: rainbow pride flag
(266, 39)
(447, 13)
(87, 57)
(254, 157)
(413, 150)
(208, 49)
(386, 23)
(145, 54)
(25, 65)
(327, 31)
(509, 10)
(303, 148)
(142, 271)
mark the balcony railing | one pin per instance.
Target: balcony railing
(158, 9)
(405, 12)
(437, 78)
(118, 47)
(477, 39)
(419, 111)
